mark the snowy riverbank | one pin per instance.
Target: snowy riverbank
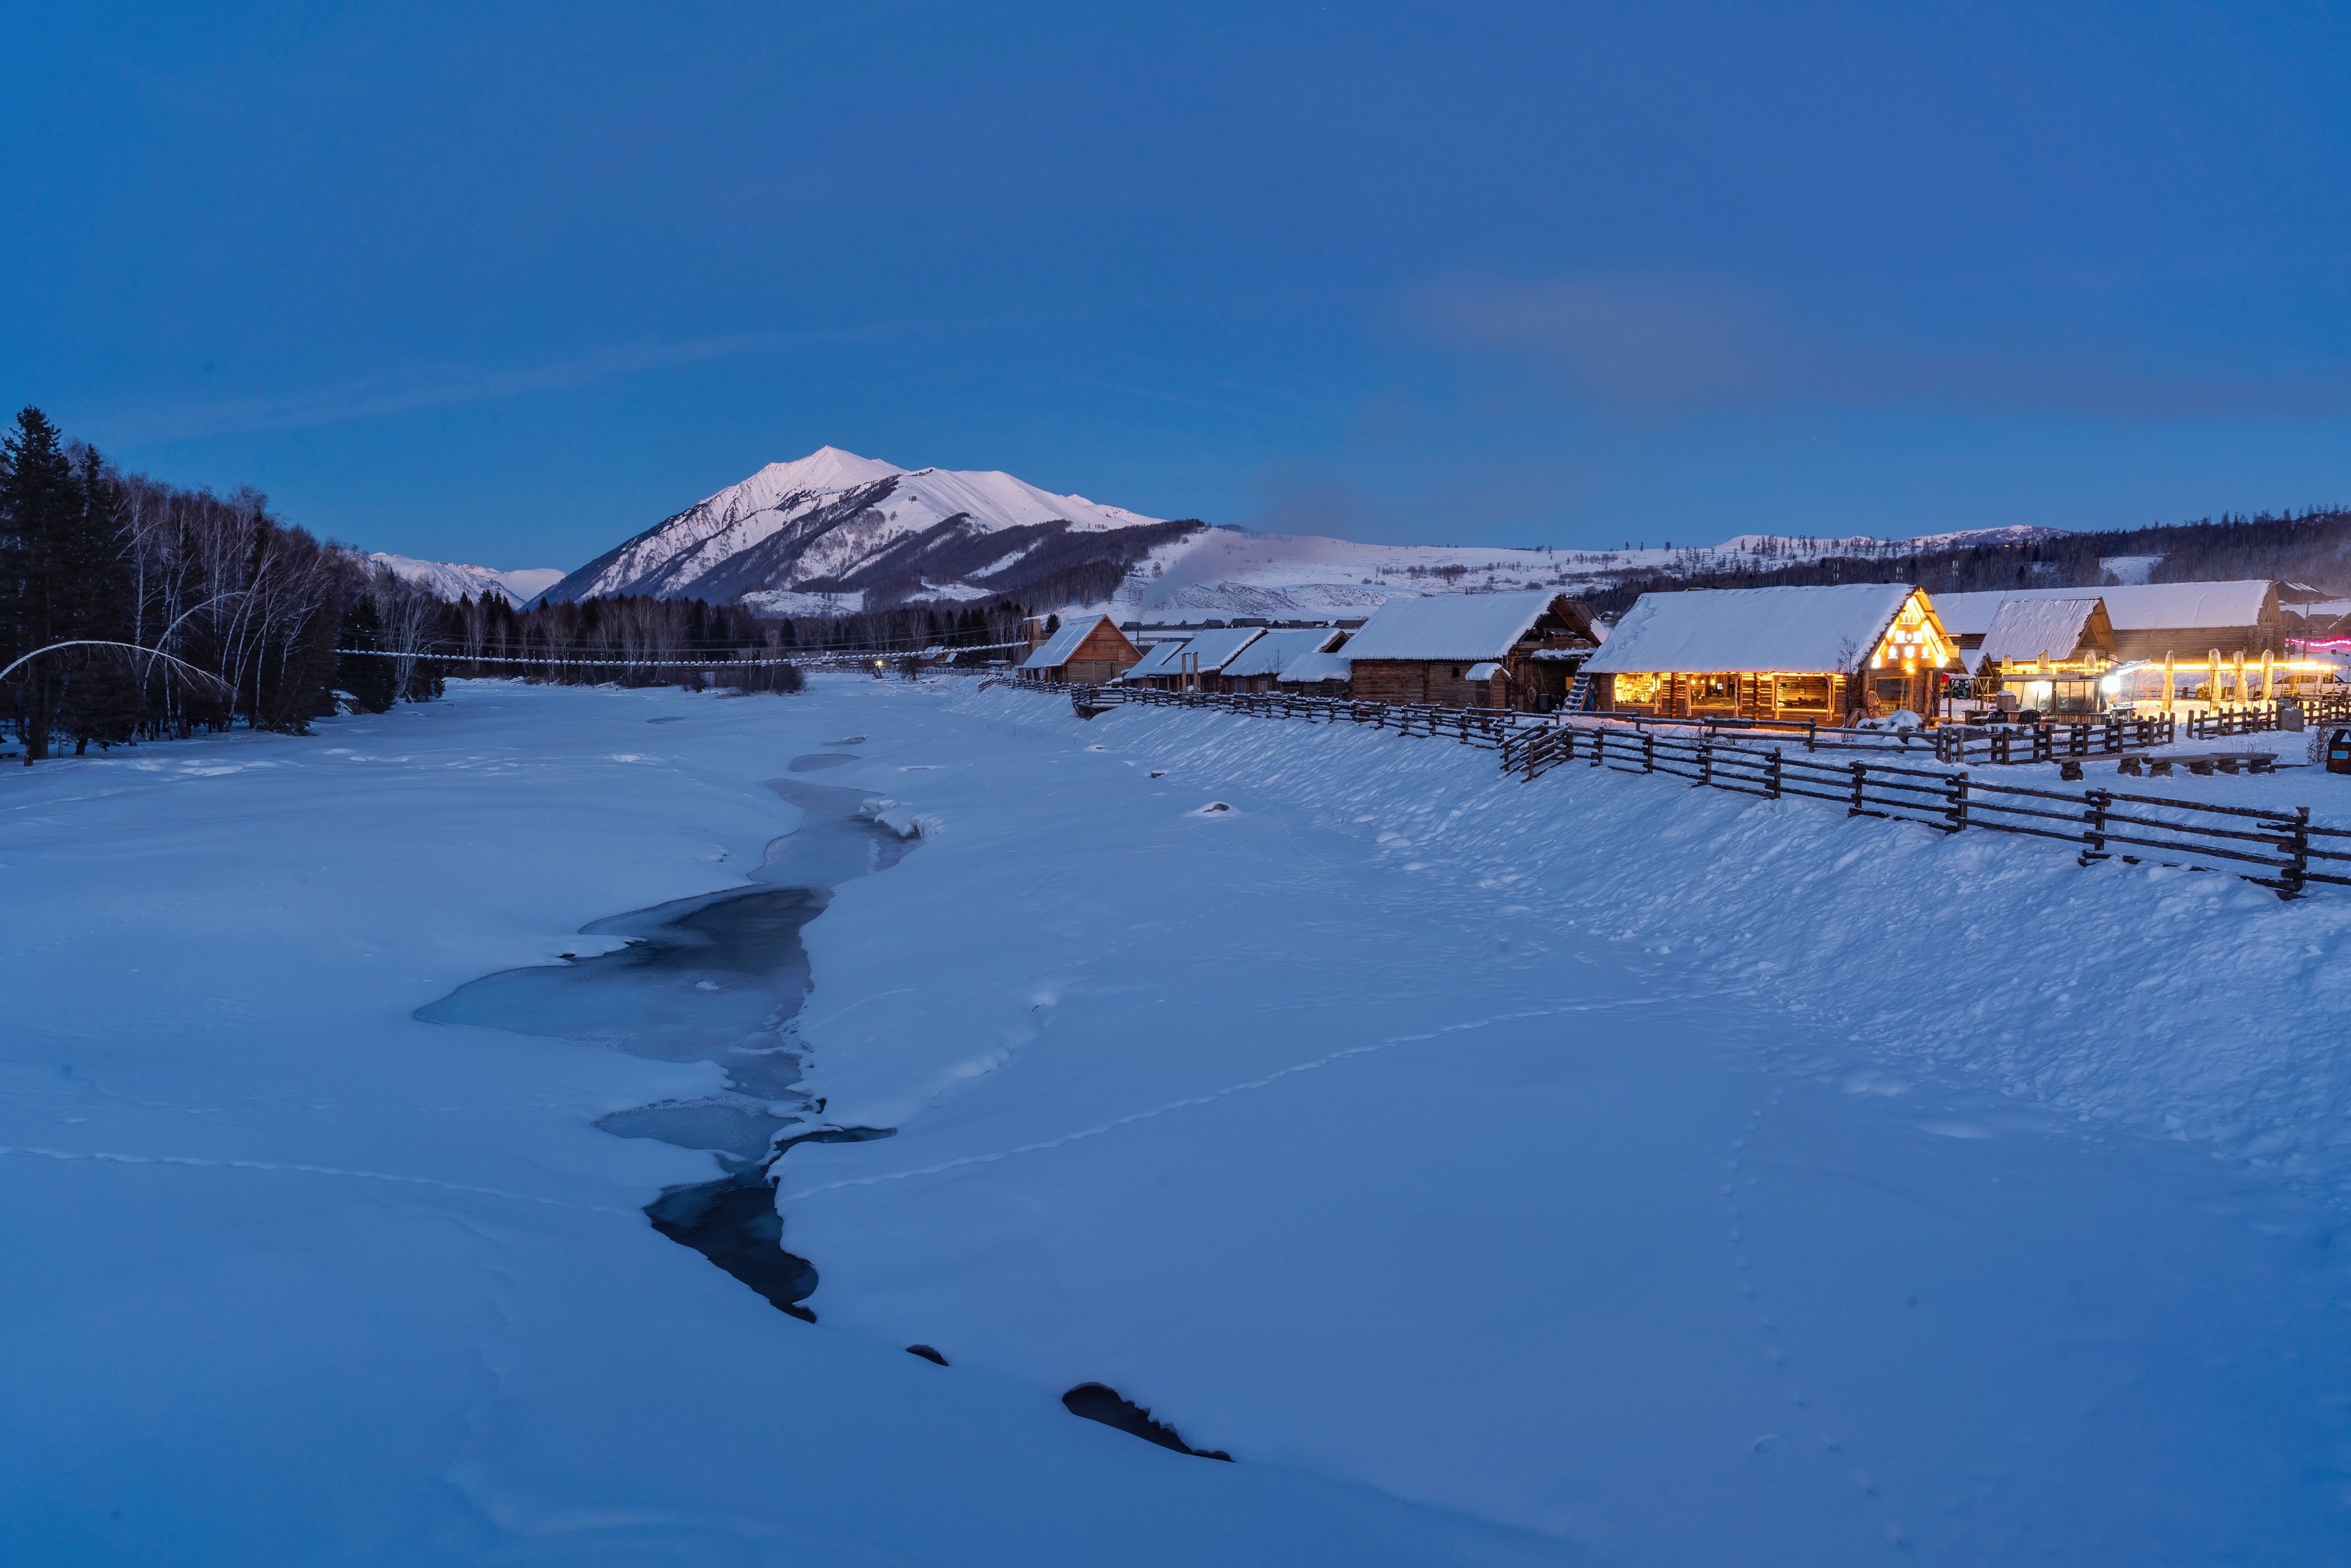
(1587, 1170)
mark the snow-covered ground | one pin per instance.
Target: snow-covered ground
(1595, 1169)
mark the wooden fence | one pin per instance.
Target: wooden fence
(2276, 848)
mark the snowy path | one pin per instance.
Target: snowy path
(1500, 1174)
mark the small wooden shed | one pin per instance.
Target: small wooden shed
(1820, 654)
(1259, 667)
(1472, 650)
(1324, 672)
(1087, 651)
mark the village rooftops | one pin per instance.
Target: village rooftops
(1465, 627)
(1707, 630)
(1056, 649)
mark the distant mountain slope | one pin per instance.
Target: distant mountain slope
(835, 523)
(453, 581)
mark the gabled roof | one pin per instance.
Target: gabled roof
(2138, 607)
(1701, 631)
(1469, 627)
(2027, 629)
(1269, 654)
(1057, 649)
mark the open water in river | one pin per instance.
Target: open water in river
(717, 978)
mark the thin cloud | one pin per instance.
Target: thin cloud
(1681, 344)
(382, 397)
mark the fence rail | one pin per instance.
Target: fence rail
(2276, 848)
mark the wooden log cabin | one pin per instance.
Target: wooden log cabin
(2151, 620)
(2046, 655)
(1825, 655)
(1515, 650)
(1087, 651)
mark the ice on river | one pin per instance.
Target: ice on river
(1587, 1171)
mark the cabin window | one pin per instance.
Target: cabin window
(1894, 688)
(1714, 690)
(1456, 672)
(1639, 689)
(1808, 693)
(1912, 641)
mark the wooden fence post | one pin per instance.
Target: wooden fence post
(2100, 801)
(1648, 752)
(1956, 798)
(1860, 778)
(2296, 876)
(1705, 759)
(1771, 774)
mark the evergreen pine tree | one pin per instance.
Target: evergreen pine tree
(39, 507)
(100, 697)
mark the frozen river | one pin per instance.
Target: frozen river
(1498, 1174)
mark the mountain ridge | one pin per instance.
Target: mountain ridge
(453, 580)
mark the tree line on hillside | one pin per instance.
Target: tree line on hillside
(636, 641)
(167, 612)
(2313, 546)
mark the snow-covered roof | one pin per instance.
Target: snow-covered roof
(1271, 653)
(2145, 607)
(1450, 625)
(1217, 646)
(1486, 670)
(2028, 629)
(1699, 630)
(1159, 658)
(1057, 649)
(1309, 667)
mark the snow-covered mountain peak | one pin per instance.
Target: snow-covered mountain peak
(833, 522)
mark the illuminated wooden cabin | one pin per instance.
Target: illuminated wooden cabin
(1086, 651)
(1792, 655)
(2150, 620)
(2050, 655)
(1472, 650)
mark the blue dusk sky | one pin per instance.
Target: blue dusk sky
(504, 284)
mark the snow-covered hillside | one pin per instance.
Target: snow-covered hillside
(1221, 572)
(453, 581)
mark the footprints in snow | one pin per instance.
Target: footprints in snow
(1775, 1345)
